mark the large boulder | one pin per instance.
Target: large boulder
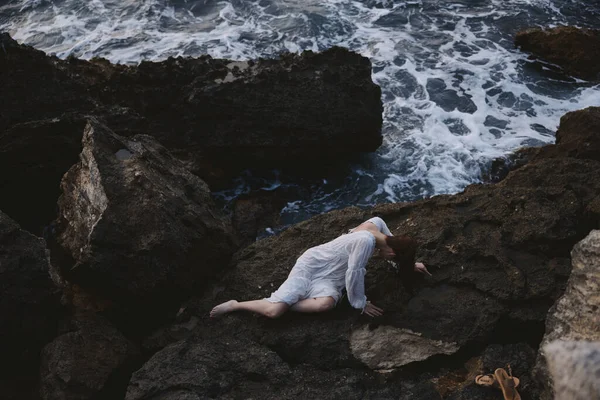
(85, 362)
(207, 369)
(575, 316)
(576, 50)
(29, 300)
(301, 112)
(141, 230)
(575, 369)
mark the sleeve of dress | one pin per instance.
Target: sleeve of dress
(355, 275)
(381, 225)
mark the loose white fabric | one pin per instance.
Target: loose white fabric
(381, 225)
(326, 269)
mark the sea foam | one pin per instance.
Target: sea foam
(456, 93)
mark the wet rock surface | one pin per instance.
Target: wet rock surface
(576, 50)
(141, 230)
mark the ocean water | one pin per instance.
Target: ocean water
(456, 92)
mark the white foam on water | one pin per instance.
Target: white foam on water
(427, 149)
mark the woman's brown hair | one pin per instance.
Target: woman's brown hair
(405, 248)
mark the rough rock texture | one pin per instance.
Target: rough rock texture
(303, 112)
(575, 369)
(386, 347)
(33, 158)
(141, 229)
(499, 255)
(166, 335)
(36, 87)
(575, 316)
(84, 362)
(29, 301)
(210, 369)
(237, 367)
(576, 50)
(578, 136)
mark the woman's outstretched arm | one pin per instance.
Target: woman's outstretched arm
(355, 276)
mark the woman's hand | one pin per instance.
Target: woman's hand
(420, 267)
(372, 310)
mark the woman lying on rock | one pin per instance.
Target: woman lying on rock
(316, 282)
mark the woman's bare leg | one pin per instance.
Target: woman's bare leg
(262, 307)
(314, 305)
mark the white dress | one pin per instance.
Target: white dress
(326, 269)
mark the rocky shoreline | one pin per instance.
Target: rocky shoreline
(217, 116)
(114, 302)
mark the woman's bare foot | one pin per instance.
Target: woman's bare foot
(223, 308)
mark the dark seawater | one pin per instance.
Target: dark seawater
(456, 93)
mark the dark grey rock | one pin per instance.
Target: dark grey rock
(576, 50)
(141, 229)
(299, 112)
(79, 364)
(29, 300)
